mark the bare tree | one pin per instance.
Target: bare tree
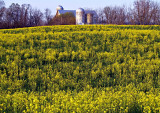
(158, 17)
(24, 14)
(30, 17)
(2, 10)
(37, 17)
(115, 15)
(155, 19)
(101, 16)
(2, 4)
(48, 16)
(13, 15)
(108, 14)
(121, 15)
(145, 12)
(130, 17)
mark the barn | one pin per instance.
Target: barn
(82, 16)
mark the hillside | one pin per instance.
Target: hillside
(90, 68)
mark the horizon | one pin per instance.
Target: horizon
(71, 4)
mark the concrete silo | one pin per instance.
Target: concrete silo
(80, 16)
(89, 18)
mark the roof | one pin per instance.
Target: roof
(74, 12)
(80, 10)
(67, 11)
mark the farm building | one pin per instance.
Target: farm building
(82, 16)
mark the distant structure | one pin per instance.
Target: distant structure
(82, 16)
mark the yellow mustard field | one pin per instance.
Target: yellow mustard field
(80, 69)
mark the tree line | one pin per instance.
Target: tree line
(24, 15)
(143, 12)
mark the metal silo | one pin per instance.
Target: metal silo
(80, 16)
(60, 8)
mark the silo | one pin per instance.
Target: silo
(59, 8)
(80, 16)
(89, 18)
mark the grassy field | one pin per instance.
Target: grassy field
(89, 68)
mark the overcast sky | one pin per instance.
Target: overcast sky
(71, 4)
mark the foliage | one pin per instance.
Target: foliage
(90, 68)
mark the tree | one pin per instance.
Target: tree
(130, 17)
(48, 16)
(155, 14)
(121, 15)
(16, 16)
(13, 15)
(2, 4)
(25, 15)
(2, 10)
(37, 17)
(100, 16)
(115, 15)
(145, 12)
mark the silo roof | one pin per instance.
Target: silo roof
(60, 7)
(80, 10)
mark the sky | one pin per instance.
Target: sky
(71, 4)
